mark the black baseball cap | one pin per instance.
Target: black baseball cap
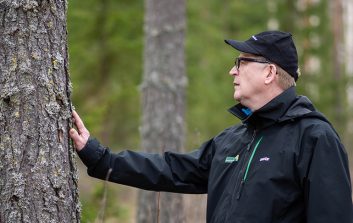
(276, 46)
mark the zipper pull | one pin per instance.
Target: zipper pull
(240, 189)
(252, 140)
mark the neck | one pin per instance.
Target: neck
(264, 98)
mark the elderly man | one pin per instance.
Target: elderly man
(284, 163)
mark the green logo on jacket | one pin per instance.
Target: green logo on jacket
(231, 159)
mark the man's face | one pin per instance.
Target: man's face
(248, 79)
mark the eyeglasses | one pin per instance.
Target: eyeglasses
(239, 59)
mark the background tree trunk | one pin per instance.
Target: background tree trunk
(38, 180)
(348, 48)
(163, 96)
(339, 75)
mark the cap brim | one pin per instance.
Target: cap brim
(241, 46)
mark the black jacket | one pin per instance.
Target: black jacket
(284, 163)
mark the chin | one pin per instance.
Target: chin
(236, 97)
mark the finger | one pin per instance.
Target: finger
(78, 121)
(74, 135)
(79, 143)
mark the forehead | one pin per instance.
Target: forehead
(247, 55)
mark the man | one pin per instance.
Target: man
(284, 163)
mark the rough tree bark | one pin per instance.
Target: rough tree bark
(38, 180)
(163, 88)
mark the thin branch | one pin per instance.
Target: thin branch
(101, 213)
(158, 206)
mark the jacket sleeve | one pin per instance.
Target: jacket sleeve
(172, 172)
(326, 179)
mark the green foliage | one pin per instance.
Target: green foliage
(105, 43)
(92, 204)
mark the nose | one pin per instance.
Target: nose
(233, 71)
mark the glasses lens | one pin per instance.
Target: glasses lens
(237, 62)
(239, 59)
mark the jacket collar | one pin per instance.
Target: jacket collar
(270, 113)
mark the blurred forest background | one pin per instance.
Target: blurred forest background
(106, 66)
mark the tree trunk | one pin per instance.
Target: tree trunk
(348, 46)
(163, 91)
(348, 28)
(339, 75)
(38, 180)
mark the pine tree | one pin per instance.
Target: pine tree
(38, 180)
(163, 101)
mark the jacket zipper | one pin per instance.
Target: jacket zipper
(237, 192)
(249, 163)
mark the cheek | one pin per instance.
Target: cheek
(247, 81)
(251, 85)
(256, 86)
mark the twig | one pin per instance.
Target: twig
(101, 213)
(158, 205)
(159, 193)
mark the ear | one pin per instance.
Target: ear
(271, 74)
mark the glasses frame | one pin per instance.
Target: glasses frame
(248, 59)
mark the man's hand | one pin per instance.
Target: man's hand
(80, 137)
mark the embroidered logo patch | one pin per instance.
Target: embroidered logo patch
(231, 159)
(264, 159)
